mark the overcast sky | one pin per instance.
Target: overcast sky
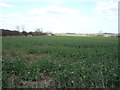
(60, 16)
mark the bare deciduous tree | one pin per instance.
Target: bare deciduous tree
(39, 30)
(23, 27)
(18, 27)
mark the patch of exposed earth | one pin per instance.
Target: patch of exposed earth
(16, 82)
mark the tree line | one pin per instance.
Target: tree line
(7, 32)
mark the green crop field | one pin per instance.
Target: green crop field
(59, 62)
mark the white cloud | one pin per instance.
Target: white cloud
(51, 18)
(11, 20)
(107, 9)
(106, 6)
(59, 19)
(5, 5)
(56, 1)
(18, 15)
(54, 10)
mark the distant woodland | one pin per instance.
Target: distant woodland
(4, 32)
